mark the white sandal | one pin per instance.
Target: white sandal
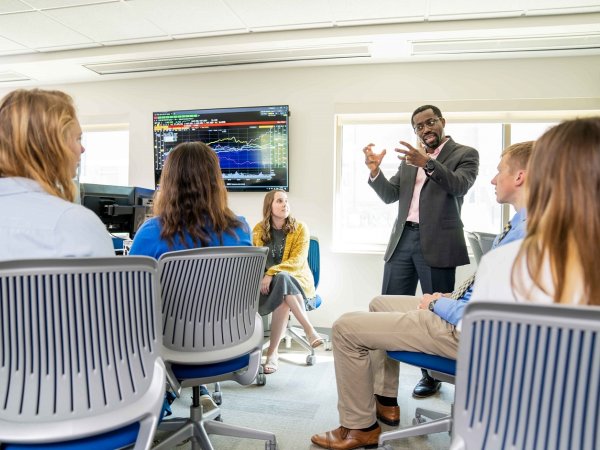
(270, 365)
(315, 340)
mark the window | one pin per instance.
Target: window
(106, 157)
(362, 222)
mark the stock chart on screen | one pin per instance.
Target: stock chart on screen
(251, 142)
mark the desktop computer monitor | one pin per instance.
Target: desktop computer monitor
(122, 209)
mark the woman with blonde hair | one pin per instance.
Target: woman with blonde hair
(40, 148)
(288, 284)
(557, 260)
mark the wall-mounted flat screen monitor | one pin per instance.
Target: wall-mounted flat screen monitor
(251, 143)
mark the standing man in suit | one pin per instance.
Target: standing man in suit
(427, 242)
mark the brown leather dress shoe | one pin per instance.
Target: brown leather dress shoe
(390, 415)
(343, 438)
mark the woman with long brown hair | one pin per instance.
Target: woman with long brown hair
(557, 260)
(288, 284)
(190, 207)
(40, 148)
(191, 211)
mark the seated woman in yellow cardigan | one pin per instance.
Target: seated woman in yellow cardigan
(288, 284)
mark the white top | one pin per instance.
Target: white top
(35, 224)
(493, 279)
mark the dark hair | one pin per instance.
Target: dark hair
(192, 196)
(420, 109)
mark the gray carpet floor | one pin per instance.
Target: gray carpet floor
(299, 400)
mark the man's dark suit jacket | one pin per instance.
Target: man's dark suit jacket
(440, 226)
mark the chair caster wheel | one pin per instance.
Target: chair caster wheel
(270, 445)
(418, 420)
(311, 360)
(261, 379)
(385, 447)
(217, 397)
(328, 346)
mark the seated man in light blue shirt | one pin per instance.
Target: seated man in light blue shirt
(450, 306)
(367, 381)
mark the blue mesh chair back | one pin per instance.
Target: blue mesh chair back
(79, 353)
(528, 376)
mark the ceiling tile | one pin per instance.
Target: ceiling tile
(381, 10)
(18, 28)
(535, 7)
(106, 22)
(8, 47)
(179, 17)
(12, 6)
(470, 9)
(282, 14)
(50, 4)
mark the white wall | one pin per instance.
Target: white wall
(315, 94)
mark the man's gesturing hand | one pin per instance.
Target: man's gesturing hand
(372, 159)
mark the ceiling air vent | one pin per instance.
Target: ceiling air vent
(7, 76)
(502, 45)
(233, 59)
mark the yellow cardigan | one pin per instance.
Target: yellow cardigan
(295, 257)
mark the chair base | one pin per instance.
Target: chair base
(200, 425)
(440, 422)
(297, 334)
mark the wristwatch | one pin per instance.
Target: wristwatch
(431, 305)
(429, 166)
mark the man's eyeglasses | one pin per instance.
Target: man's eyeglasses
(429, 122)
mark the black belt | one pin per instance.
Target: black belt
(411, 224)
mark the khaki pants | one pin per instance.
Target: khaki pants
(360, 340)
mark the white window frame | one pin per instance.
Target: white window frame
(504, 117)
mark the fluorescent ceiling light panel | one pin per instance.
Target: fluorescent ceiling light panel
(232, 59)
(7, 76)
(500, 45)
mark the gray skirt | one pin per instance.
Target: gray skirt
(282, 284)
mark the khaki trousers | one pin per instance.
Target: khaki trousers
(360, 340)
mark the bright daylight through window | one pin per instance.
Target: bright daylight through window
(106, 157)
(362, 222)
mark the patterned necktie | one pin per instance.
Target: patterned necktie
(505, 231)
(464, 287)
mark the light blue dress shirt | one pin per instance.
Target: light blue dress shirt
(36, 224)
(452, 310)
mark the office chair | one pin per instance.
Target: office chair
(211, 332)
(79, 360)
(475, 245)
(485, 241)
(296, 333)
(440, 368)
(528, 377)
